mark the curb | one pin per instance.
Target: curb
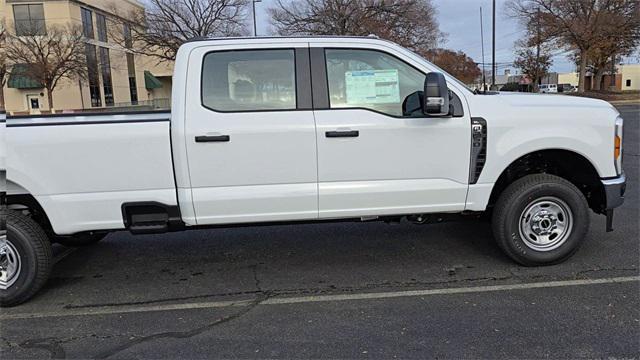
(625, 102)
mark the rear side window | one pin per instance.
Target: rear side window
(249, 80)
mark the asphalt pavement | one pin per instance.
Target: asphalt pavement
(345, 290)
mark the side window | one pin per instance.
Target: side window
(377, 81)
(249, 80)
(370, 79)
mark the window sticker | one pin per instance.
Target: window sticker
(372, 86)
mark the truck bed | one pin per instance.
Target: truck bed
(81, 168)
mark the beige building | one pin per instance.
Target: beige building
(630, 76)
(627, 78)
(569, 78)
(116, 77)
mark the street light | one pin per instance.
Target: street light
(255, 28)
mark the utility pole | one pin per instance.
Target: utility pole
(484, 80)
(493, 58)
(538, 77)
(255, 27)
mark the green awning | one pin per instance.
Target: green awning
(151, 82)
(19, 78)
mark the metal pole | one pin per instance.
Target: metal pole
(493, 77)
(255, 28)
(613, 72)
(484, 80)
(538, 79)
(81, 96)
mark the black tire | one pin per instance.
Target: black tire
(35, 258)
(78, 240)
(518, 197)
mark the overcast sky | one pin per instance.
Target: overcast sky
(460, 19)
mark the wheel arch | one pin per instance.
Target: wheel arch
(14, 188)
(21, 199)
(568, 164)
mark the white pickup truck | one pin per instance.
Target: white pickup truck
(289, 130)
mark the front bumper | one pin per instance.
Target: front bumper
(614, 189)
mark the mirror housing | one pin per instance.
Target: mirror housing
(436, 95)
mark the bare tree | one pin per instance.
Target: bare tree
(164, 25)
(580, 25)
(411, 23)
(533, 62)
(48, 58)
(603, 55)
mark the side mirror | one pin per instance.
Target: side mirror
(436, 95)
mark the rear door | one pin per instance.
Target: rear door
(251, 134)
(377, 155)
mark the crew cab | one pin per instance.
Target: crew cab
(310, 129)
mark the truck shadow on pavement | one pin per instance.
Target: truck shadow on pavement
(292, 260)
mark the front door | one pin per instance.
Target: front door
(376, 156)
(251, 136)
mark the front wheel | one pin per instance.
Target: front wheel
(540, 220)
(25, 258)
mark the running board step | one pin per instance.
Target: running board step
(151, 218)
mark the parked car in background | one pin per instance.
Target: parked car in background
(548, 88)
(309, 129)
(566, 88)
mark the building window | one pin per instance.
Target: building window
(107, 85)
(128, 43)
(29, 19)
(628, 82)
(133, 89)
(93, 76)
(101, 22)
(87, 23)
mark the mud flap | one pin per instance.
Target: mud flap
(609, 215)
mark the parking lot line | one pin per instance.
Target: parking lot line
(448, 291)
(109, 310)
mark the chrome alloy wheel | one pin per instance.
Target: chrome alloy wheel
(546, 224)
(9, 263)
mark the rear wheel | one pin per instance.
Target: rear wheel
(25, 258)
(540, 220)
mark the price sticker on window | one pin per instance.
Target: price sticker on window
(372, 86)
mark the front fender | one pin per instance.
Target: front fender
(510, 144)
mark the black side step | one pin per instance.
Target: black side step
(151, 217)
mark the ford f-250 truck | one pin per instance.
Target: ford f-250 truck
(282, 130)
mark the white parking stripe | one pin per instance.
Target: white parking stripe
(109, 310)
(447, 291)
